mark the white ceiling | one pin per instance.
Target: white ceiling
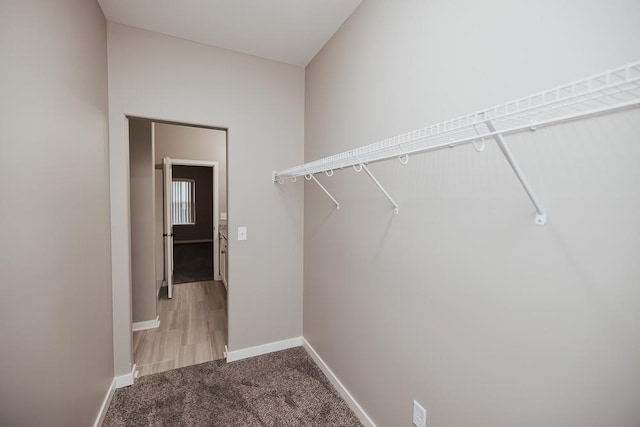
(291, 31)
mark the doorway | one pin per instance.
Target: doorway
(187, 166)
(190, 221)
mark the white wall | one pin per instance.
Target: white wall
(261, 103)
(460, 301)
(55, 312)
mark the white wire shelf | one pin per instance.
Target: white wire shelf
(613, 90)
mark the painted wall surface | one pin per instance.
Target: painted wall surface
(159, 227)
(203, 181)
(261, 103)
(460, 301)
(55, 310)
(193, 143)
(141, 200)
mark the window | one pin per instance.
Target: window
(184, 201)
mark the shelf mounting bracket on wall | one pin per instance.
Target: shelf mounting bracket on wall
(309, 177)
(541, 214)
(396, 208)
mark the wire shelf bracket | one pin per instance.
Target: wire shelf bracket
(396, 208)
(612, 91)
(310, 176)
(541, 215)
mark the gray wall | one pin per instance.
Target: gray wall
(170, 79)
(460, 301)
(193, 143)
(55, 310)
(159, 227)
(143, 278)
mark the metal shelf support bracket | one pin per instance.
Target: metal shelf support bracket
(541, 214)
(396, 208)
(310, 176)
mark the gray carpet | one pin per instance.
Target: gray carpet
(285, 388)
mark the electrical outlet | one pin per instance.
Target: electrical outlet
(419, 415)
(242, 233)
(223, 216)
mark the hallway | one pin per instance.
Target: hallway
(193, 329)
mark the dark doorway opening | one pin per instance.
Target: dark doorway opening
(192, 262)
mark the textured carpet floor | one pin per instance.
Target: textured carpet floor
(285, 388)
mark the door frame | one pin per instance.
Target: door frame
(216, 206)
(167, 224)
(124, 366)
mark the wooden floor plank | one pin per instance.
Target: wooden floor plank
(193, 329)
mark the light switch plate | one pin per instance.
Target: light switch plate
(223, 216)
(242, 233)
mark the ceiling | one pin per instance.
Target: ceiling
(290, 31)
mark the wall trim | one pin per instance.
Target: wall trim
(147, 324)
(351, 401)
(245, 353)
(105, 404)
(126, 379)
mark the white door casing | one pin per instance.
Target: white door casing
(168, 225)
(168, 162)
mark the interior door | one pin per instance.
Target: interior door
(168, 225)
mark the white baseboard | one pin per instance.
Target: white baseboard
(126, 379)
(148, 324)
(244, 353)
(353, 404)
(118, 382)
(105, 404)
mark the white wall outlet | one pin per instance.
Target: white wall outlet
(419, 415)
(223, 216)
(242, 233)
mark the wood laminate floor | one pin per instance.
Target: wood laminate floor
(193, 329)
